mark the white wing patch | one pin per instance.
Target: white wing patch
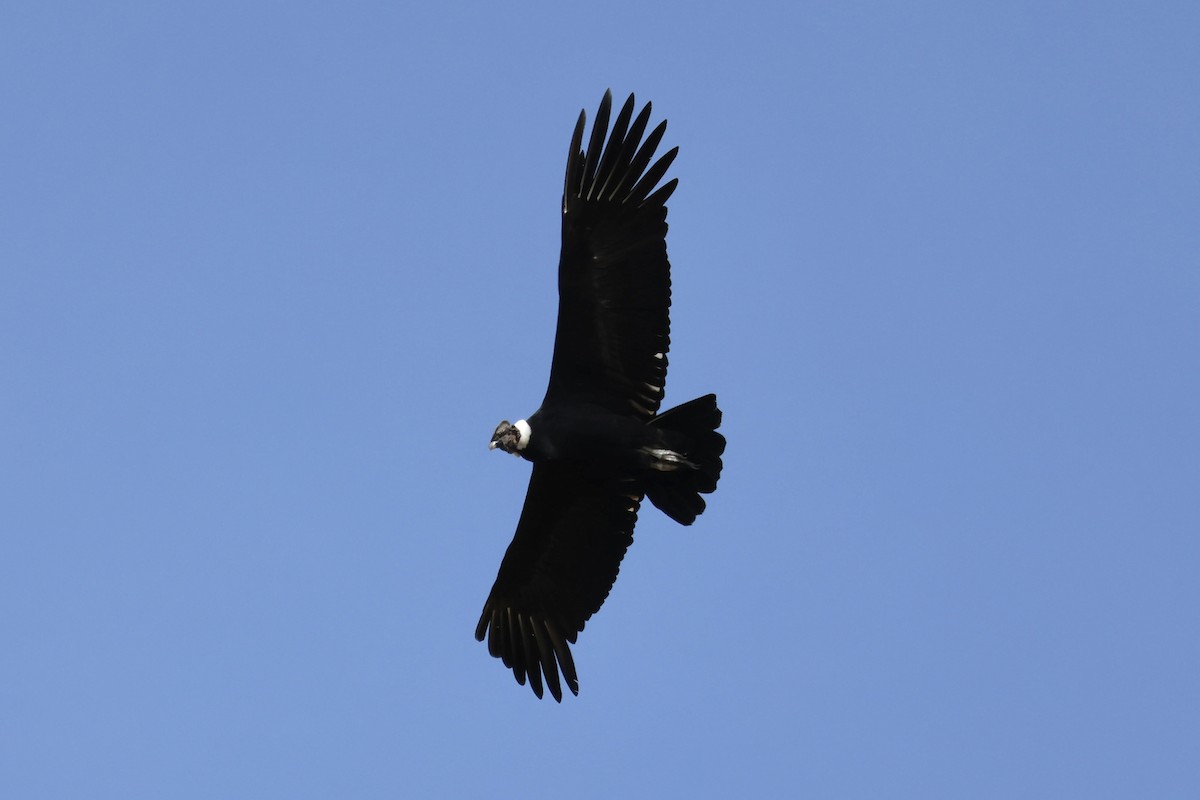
(667, 460)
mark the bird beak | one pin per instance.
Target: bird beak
(492, 444)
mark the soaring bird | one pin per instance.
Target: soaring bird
(597, 443)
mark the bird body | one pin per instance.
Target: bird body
(597, 442)
(586, 436)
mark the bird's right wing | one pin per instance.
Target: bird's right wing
(557, 572)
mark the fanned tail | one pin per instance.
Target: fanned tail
(691, 429)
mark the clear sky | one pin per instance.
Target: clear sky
(270, 274)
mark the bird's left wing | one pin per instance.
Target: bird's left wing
(557, 572)
(614, 280)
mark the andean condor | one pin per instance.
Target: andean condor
(597, 443)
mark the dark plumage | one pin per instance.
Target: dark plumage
(597, 443)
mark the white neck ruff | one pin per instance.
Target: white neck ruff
(523, 426)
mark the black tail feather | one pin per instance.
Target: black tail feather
(691, 429)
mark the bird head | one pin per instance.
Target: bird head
(511, 437)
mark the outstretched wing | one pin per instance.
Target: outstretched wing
(614, 280)
(556, 573)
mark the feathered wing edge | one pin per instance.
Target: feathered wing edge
(531, 645)
(607, 172)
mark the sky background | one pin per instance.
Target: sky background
(270, 274)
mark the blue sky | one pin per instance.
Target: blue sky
(271, 273)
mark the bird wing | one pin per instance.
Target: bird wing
(557, 572)
(614, 280)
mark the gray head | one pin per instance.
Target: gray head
(511, 437)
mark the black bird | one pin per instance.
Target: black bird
(597, 443)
